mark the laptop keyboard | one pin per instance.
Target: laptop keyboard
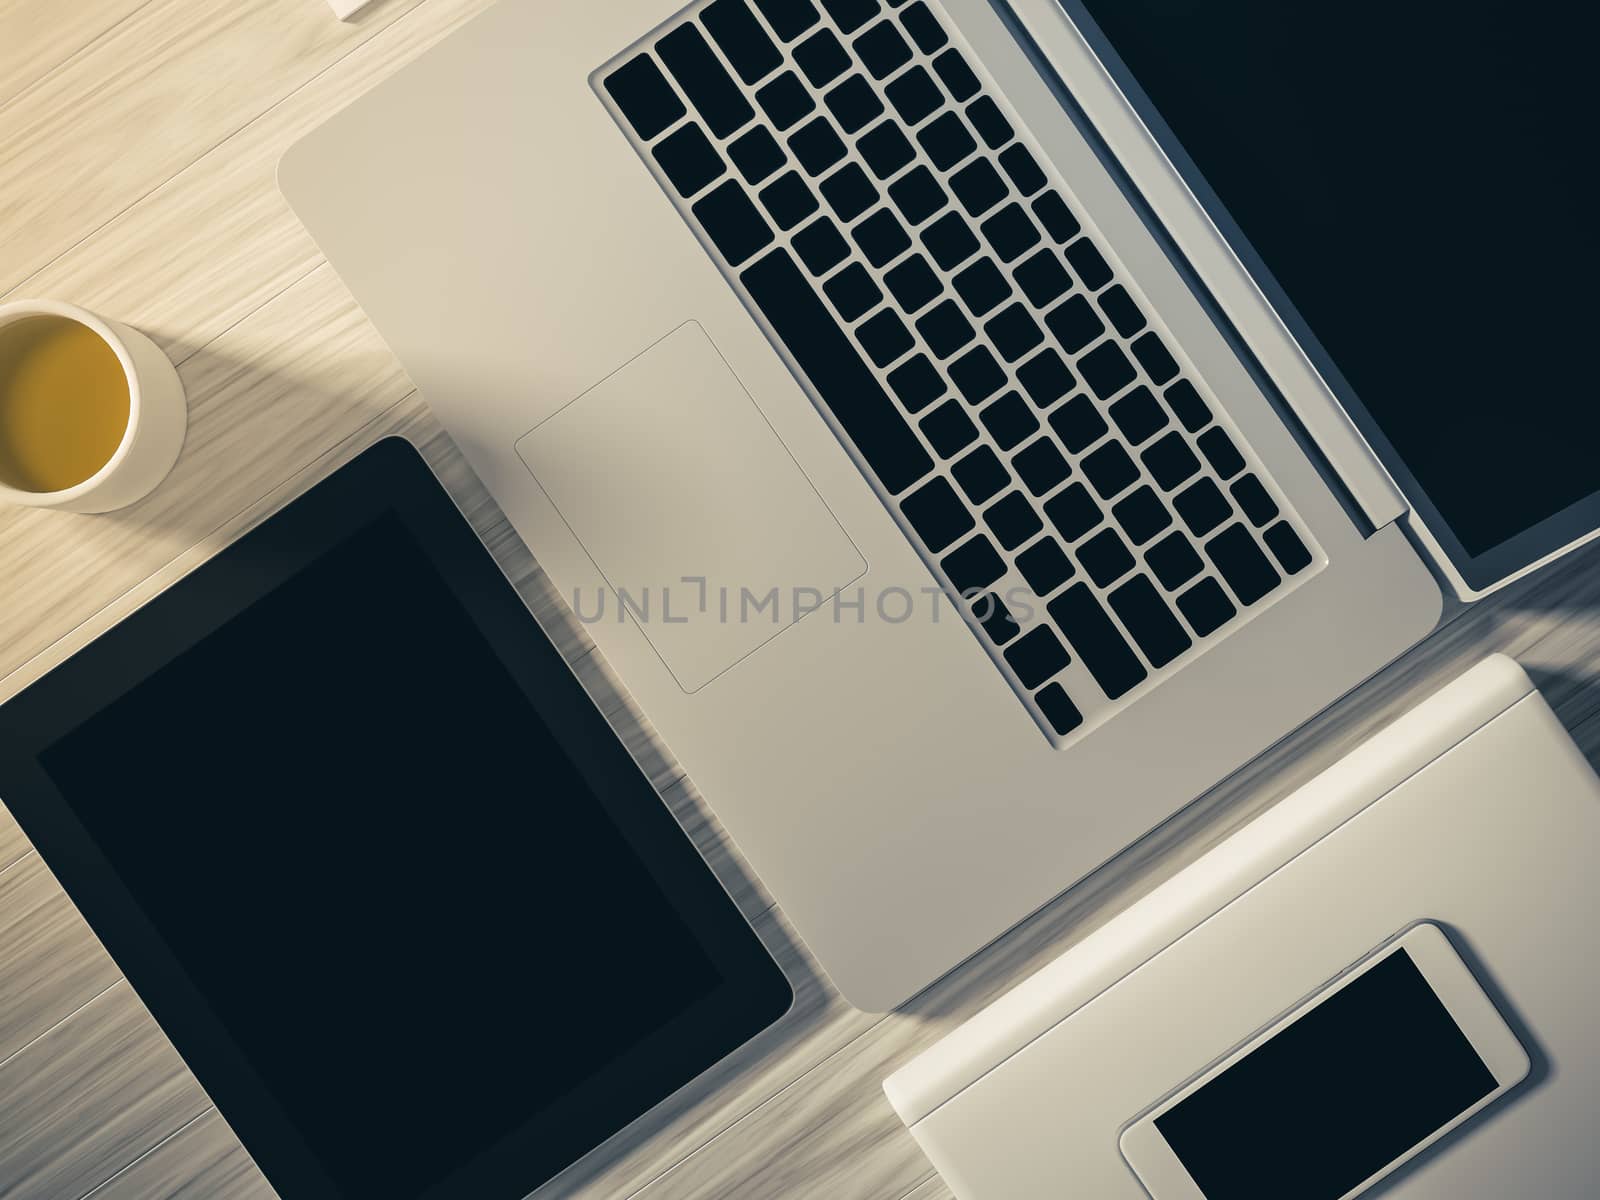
(999, 379)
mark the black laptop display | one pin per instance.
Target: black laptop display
(375, 862)
(1413, 184)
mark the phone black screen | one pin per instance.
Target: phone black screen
(1333, 1098)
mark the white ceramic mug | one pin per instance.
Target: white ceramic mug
(158, 417)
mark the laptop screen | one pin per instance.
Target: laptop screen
(1417, 180)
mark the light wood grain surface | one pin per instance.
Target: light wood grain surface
(138, 140)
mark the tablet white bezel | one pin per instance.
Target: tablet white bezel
(1164, 1176)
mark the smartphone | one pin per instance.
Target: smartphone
(1385, 1060)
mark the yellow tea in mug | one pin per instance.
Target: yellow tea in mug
(63, 403)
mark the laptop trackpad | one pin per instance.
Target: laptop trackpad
(699, 518)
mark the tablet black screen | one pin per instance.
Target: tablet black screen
(384, 875)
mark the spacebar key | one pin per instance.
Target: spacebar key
(830, 360)
(1099, 643)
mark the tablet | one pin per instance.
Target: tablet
(376, 863)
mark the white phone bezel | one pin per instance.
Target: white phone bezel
(1164, 1176)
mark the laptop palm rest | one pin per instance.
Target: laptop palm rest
(701, 522)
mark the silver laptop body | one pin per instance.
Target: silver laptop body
(902, 784)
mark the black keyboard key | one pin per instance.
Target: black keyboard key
(1202, 507)
(816, 145)
(1056, 217)
(743, 39)
(1139, 416)
(981, 474)
(645, 97)
(990, 122)
(1010, 232)
(1121, 311)
(1109, 469)
(973, 565)
(916, 383)
(885, 148)
(851, 15)
(756, 154)
(1058, 709)
(788, 200)
(958, 78)
(1040, 466)
(1221, 453)
(1187, 406)
(821, 58)
(978, 186)
(1206, 607)
(1107, 369)
(732, 222)
(915, 96)
(853, 292)
(976, 375)
(937, 514)
(1105, 557)
(689, 159)
(1041, 278)
(1170, 461)
(1087, 261)
(849, 192)
(1026, 174)
(995, 618)
(1073, 511)
(1098, 643)
(1078, 424)
(981, 286)
(950, 240)
(917, 195)
(923, 27)
(1141, 514)
(945, 329)
(948, 429)
(1155, 358)
(1174, 561)
(1287, 548)
(947, 141)
(785, 100)
(854, 104)
(821, 246)
(1045, 566)
(1037, 657)
(913, 284)
(882, 238)
(1254, 500)
(1009, 421)
(1074, 323)
(1013, 332)
(704, 80)
(842, 381)
(882, 50)
(1045, 378)
(884, 337)
(1145, 615)
(789, 18)
(1012, 520)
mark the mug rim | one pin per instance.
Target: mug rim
(20, 310)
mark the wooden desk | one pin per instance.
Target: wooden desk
(137, 145)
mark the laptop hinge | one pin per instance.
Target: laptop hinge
(1199, 250)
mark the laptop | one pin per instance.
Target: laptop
(972, 430)
(1051, 1090)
